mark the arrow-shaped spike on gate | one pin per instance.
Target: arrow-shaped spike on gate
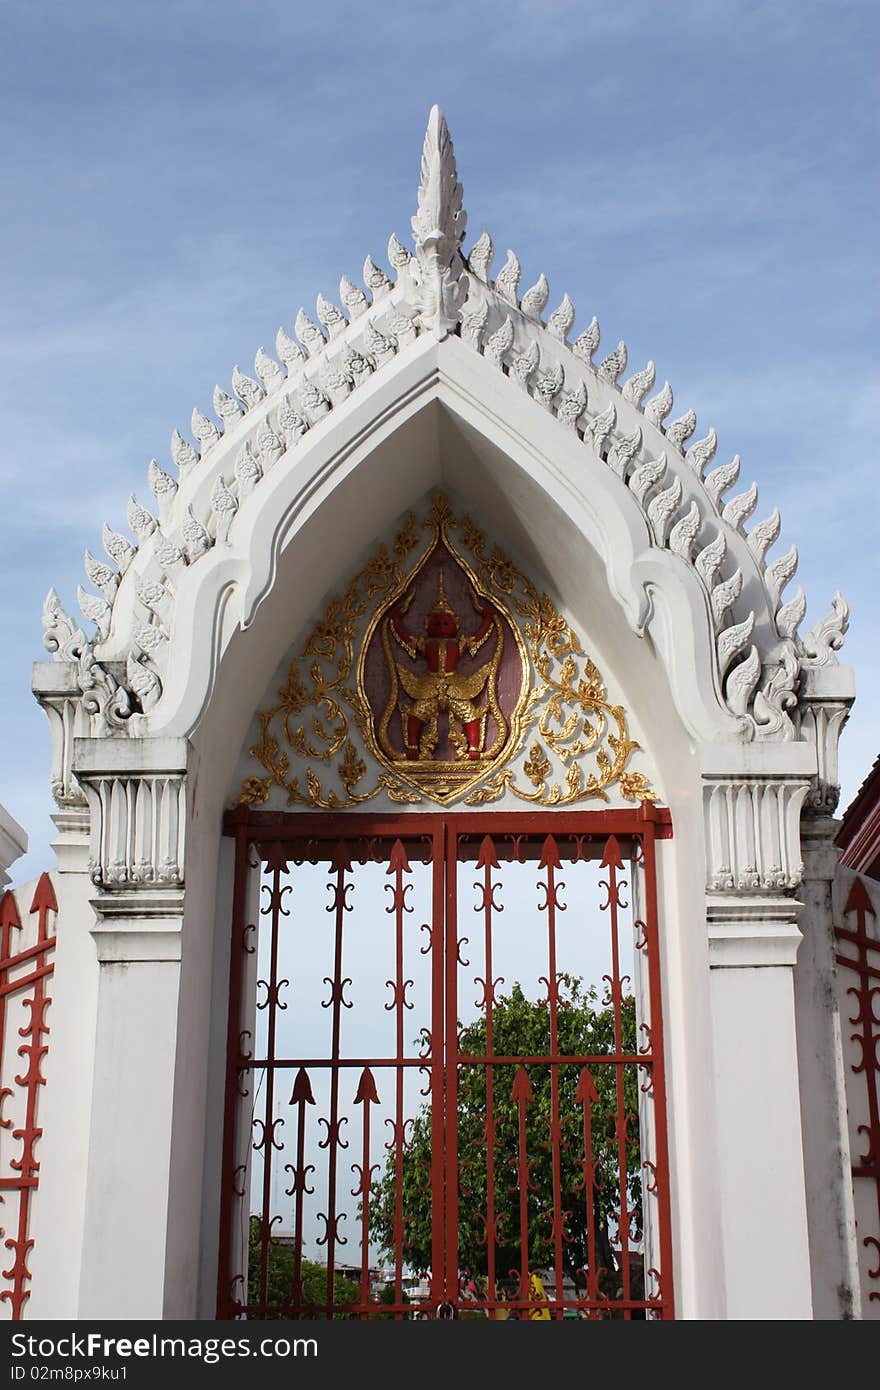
(366, 1091)
(302, 1096)
(44, 902)
(859, 902)
(366, 1096)
(302, 1089)
(587, 1096)
(522, 1091)
(487, 858)
(397, 859)
(550, 854)
(611, 859)
(9, 918)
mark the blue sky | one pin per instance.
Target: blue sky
(180, 177)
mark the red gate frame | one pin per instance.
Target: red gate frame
(648, 823)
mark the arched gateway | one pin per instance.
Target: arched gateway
(448, 603)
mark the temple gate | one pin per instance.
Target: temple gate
(443, 600)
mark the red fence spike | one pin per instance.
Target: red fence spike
(550, 854)
(487, 855)
(44, 896)
(341, 856)
(397, 859)
(611, 858)
(586, 1093)
(9, 910)
(366, 1090)
(302, 1089)
(858, 900)
(522, 1087)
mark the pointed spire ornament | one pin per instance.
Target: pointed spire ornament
(438, 230)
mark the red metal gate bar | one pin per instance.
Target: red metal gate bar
(226, 1278)
(487, 861)
(448, 1178)
(550, 861)
(664, 1277)
(437, 939)
(275, 908)
(317, 827)
(341, 865)
(612, 861)
(398, 865)
(301, 1096)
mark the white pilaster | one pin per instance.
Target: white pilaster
(753, 868)
(136, 794)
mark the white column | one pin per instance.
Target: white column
(136, 794)
(58, 1212)
(752, 950)
(753, 868)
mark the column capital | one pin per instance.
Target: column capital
(137, 796)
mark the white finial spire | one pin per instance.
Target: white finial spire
(437, 270)
(440, 221)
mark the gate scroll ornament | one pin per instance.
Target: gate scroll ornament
(462, 666)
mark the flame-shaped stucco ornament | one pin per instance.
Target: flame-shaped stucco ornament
(437, 270)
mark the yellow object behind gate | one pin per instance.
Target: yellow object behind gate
(537, 1296)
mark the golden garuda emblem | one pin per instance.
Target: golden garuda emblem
(442, 688)
(442, 663)
(443, 676)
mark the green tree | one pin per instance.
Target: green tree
(522, 1028)
(280, 1279)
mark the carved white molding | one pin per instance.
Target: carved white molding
(13, 844)
(137, 807)
(821, 723)
(747, 933)
(752, 829)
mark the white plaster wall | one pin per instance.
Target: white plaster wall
(760, 1174)
(131, 1139)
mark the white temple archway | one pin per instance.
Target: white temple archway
(443, 378)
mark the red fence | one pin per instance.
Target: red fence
(860, 952)
(24, 973)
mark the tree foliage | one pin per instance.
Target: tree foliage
(522, 1028)
(280, 1279)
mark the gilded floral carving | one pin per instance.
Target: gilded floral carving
(439, 731)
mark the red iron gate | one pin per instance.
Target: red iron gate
(521, 1169)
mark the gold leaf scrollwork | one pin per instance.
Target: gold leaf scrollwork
(565, 715)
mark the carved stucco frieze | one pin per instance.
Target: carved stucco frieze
(823, 710)
(137, 813)
(752, 827)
